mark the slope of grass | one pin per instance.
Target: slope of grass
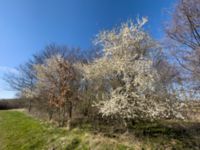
(18, 131)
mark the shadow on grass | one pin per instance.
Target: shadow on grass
(158, 135)
(181, 135)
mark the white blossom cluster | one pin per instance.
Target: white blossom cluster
(47, 73)
(28, 93)
(127, 69)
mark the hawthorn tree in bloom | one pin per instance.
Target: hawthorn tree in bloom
(56, 77)
(124, 78)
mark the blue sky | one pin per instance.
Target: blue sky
(27, 26)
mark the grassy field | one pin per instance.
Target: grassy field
(19, 131)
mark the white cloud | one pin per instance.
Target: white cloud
(5, 69)
(5, 91)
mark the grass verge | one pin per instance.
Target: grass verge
(19, 131)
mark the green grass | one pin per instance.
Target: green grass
(19, 131)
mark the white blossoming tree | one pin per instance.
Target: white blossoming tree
(123, 79)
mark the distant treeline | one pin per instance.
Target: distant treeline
(11, 104)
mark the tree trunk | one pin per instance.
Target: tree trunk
(29, 105)
(69, 116)
(59, 117)
(126, 126)
(50, 114)
(63, 116)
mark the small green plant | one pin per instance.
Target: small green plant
(73, 144)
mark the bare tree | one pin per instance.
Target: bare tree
(23, 79)
(185, 26)
(184, 30)
(168, 73)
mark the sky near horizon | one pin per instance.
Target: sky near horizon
(27, 26)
